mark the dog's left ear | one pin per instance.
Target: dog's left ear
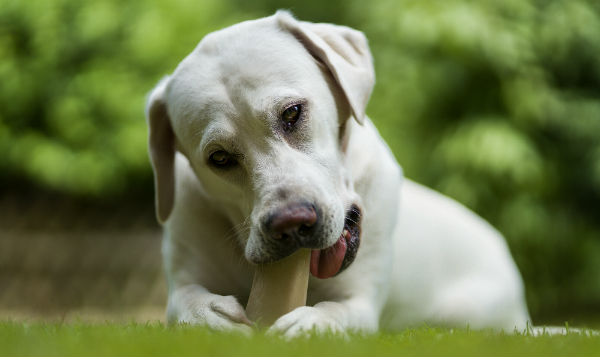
(345, 52)
(161, 145)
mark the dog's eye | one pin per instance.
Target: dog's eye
(220, 158)
(291, 115)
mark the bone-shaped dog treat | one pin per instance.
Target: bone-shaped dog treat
(279, 288)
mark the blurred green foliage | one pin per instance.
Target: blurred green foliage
(495, 103)
(74, 75)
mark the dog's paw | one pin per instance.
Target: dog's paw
(220, 313)
(307, 320)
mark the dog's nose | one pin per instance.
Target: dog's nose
(292, 222)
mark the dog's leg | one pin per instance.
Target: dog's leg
(451, 268)
(481, 302)
(329, 317)
(193, 304)
(199, 247)
(201, 287)
(352, 301)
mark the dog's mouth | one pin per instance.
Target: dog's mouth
(328, 262)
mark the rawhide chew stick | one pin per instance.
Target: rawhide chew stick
(279, 288)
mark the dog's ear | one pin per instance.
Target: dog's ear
(161, 145)
(344, 51)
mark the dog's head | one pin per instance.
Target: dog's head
(262, 110)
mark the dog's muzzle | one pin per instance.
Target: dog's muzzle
(293, 225)
(298, 226)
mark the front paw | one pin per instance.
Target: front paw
(306, 320)
(221, 313)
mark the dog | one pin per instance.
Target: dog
(260, 146)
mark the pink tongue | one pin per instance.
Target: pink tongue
(325, 263)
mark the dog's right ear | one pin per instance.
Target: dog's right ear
(344, 51)
(161, 145)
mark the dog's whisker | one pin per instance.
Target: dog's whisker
(237, 225)
(229, 234)
(242, 261)
(233, 231)
(354, 222)
(234, 235)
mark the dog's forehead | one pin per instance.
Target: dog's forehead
(241, 70)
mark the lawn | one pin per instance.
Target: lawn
(76, 339)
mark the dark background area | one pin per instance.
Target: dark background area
(495, 103)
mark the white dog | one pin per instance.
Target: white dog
(260, 145)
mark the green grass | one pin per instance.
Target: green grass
(22, 339)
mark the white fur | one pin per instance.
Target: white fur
(423, 258)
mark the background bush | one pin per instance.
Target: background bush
(495, 103)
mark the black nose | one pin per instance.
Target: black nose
(292, 223)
